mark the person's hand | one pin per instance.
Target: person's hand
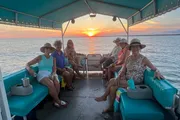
(32, 73)
(64, 69)
(158, 75)
(120, 77)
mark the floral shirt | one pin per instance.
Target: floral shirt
(135, 69)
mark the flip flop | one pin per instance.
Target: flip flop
(63, 103)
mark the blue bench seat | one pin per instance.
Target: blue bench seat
(132, 109)
(22, 105)
(157, 109)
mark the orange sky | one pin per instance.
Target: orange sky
(98, 26)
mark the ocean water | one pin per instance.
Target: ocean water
(162, 51)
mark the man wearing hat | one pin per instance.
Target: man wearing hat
(112, 57)
(122, 55)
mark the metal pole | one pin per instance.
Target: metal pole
(127, 31)
(123, 25)
(66, 27)
(63, 33)
(62, 38)
(5, 113)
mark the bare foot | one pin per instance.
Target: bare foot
(99, 99)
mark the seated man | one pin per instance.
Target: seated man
(122, 55)
(112, 57)
(67, 73)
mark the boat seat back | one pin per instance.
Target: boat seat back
(92, 60)
(163, 91)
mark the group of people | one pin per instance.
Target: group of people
(54, 62)
(129, 67)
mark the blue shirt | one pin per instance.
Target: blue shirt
(60, 59)
(45, 64)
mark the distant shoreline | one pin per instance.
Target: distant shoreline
(126, 35)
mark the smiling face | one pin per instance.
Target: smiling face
(123, 45)
(58, 46)
(70, 44)
(135, 49)
(47, 50)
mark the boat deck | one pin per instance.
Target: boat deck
(82, 105)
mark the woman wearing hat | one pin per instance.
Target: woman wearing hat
(47, 73)
(122, 55)
(134, 68)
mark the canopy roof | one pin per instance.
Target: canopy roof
(52, 14)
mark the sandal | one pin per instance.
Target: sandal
(62, 103)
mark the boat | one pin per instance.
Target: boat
(51, 14)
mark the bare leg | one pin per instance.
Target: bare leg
(112, 98)
(57, 85)
(71, 72)
(67, 78)
(77, 71)
(107, 92)
(52, 90)
(109, 73)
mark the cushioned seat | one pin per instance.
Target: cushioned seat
(163, 91)
(22, 105)
(132, 109)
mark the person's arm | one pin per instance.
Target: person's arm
(54, 65)
(152, 67)
(32, 62)
(124, 57)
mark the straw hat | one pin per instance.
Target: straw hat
(47, 45)
(117, 40)
(136, 42)
(123, 40)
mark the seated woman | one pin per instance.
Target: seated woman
(72, 57)
(67, 73)
(134, 67)
(47, 73)
(122, 55)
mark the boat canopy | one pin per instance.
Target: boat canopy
(51, 14)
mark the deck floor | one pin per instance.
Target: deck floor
(82, 105)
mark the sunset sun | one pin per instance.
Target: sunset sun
(91, 32)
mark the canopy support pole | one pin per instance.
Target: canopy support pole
(4, 107)
(63, 33)
(90, 9)
(127, 31)
(155, 7)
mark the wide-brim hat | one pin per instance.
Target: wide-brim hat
(123, 40)
(117, 40)
(47, 45)
(136, 42)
